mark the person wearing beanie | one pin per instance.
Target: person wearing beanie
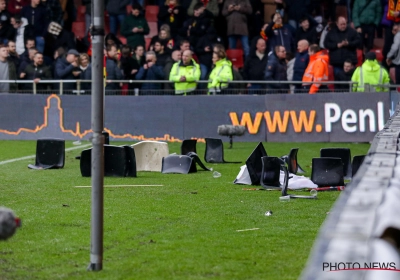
(369, 75)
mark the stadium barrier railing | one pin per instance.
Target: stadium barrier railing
(133, 87)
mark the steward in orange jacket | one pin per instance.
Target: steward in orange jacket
(317, 70)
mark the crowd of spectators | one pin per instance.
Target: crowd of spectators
(304, 42)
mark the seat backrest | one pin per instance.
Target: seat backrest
(254, 163)
(130, 161)
(149, 155)
(122, 39)
(148, 42)
(118, 161)
(176, 164)
(188, 145)
(360, 57)
(270, 173)
(292, 161)
(80, 13)
(153, 26)
(236, 56)
(151, 13)
(114, 161)
(50, 152)
(79, 29)
(331, 77)
(378, 53)
(356, 163)
(214, 150)
(343, 153)
(327, 171)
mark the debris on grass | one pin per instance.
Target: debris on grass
(248, 229)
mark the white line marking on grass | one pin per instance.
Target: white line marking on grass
(247, 229)
(121, 186)
(33, 156)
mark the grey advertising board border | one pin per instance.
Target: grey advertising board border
(29, 117)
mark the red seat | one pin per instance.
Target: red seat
(360, 57)
(122, 39)
(78, 28)
(236, 56)
(129, 9)
(148, 41)
(80, 13)
(331, 77)
(152, 12)
(153, 30)
(378, 53)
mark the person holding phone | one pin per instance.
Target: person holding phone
(135, 27)
(236, 12)
(150, 71)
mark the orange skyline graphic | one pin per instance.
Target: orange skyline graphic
(81, 134)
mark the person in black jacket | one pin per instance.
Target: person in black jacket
(196, 26)
(172, 14)
(277, 71)
(300, 64)
(129, 66)
(279, 35)
(344, 76)
(255, 64)
(6, 30)
(37, 16)
(36, 71)
(306, 31)
(342, 42)
(66, 68)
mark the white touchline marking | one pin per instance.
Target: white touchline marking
(33, 156)
(121, 186)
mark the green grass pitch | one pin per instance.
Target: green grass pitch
(186, 229)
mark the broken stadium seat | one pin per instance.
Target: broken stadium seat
(254, 164)
(327, 171)
(291, 161)
(356, 163)
(149, 155)
(270, 173)
(118, 161)
(215, 151)
(180, 164)
(286, 184)
(344, 154)
(188, 145)
(50, 153)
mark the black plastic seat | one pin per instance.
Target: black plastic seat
(254, 164)
(196, 160)
(286, 184)
(181, 164)
(118, 161)
(356, 163)
(50, 153)
(291, 161)
(327, 171)
(270, 173)
(188, 145)
(344, 154)
(215, 151)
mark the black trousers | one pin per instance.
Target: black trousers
(369, 31)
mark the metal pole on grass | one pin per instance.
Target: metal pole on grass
(96, 229)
